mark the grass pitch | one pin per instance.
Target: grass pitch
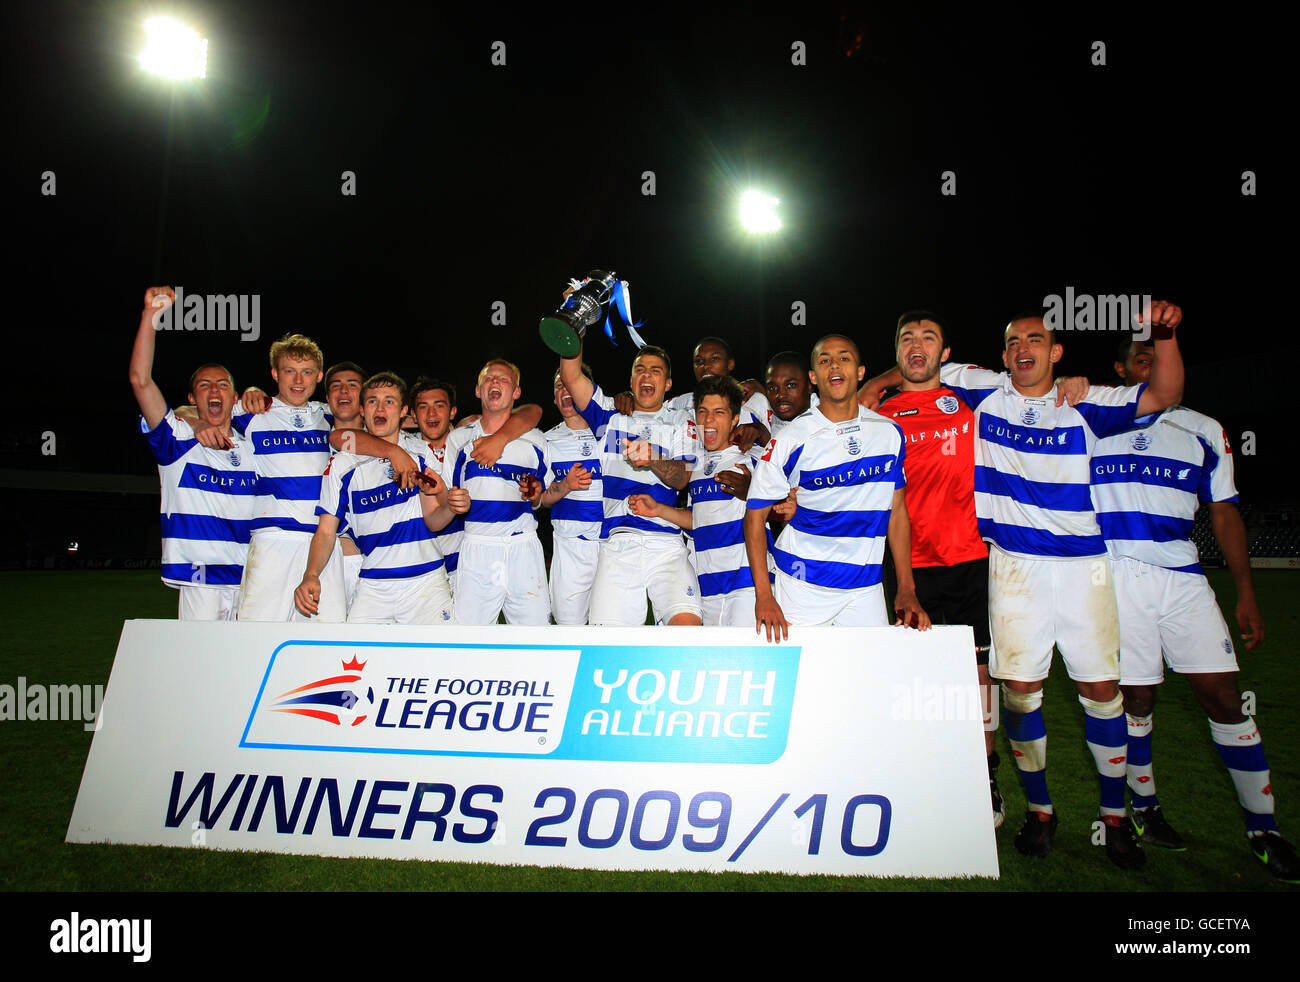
(63, 628)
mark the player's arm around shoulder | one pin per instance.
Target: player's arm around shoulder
(970, 383)
(488, 448)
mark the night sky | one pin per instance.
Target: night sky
(479, 183)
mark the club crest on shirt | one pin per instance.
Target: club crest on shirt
(1030, 415)
(586, 449)
(1140, 441)
(298, 421)
(710, 467)
(389, 471)
(853, 446)
(947, 404)
(234, 458)
(1227, 646)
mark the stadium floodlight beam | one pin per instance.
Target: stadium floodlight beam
(173, 50)
(758, 212)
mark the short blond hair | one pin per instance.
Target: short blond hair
(296, 346)
(514, 370)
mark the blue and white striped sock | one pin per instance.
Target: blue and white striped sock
(1028, 737)
(1242, 750)
(1103, 727)
(1141, 777)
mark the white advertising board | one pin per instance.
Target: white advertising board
(841, 751)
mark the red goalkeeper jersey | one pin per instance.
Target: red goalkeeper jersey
(939, 430)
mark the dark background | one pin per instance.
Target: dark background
(478, 183)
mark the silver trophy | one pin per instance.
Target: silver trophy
(586, 305)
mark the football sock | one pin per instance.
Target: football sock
(1024, 726)
(1103, 727)
(1141, 778)
(1242, 751)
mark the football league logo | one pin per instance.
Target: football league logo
(1139, 441)
(1030, 416)
(330, 700)
(947, 404)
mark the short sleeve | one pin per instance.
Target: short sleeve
(900, 474)
(332, 499)
(1217, 479)
(451, 450)
(1109, 411)
(971, 384)
(545, 459)
(239, 419)
(598, 416)
(774, 474)
(757, 410)
(602, 400)
(684, 442)
(170, 440)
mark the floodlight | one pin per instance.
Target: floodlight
(758, 212)
(173, 50)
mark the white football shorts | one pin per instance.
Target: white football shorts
(499, 573)
(573, 571)
(806, 604)
(634, 565)
(1164, 612)
(424, 599)
(352, 575)
(277, 559)
(207, 603)
(734, 609)
(1037, 603)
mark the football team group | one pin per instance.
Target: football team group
(1048, 514)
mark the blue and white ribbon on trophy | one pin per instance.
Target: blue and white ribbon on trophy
(620, 300)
